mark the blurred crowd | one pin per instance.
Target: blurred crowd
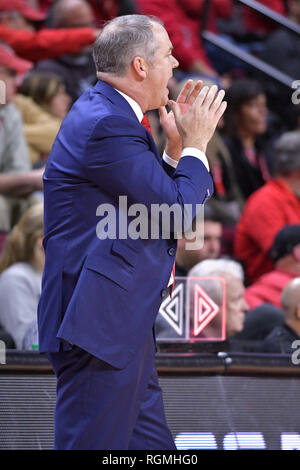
(252, 223)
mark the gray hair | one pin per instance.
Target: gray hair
(213, 288)
(122, 39)
(287, 152)
(217, 267)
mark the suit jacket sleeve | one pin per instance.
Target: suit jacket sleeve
(130, 167)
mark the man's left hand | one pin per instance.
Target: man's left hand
(185, 100)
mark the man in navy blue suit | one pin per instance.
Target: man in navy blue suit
(101, 294)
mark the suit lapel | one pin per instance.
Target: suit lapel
(153, 146)
(114, 97)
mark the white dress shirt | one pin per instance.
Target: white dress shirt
(187, 151)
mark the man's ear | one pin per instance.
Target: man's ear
(140, 67)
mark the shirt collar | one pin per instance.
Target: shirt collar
(134, 105)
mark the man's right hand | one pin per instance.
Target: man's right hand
(198, 125)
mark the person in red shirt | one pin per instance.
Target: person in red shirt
(17, 28)
(270, 208)
(18, 14)
(217, 9)
(285, 253)
(184, 33)
(258, 24)
(106, 10)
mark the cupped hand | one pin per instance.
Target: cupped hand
(185, 100)
(196, 125)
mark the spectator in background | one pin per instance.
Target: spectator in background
(18, 23)
(196, 9)
(205, 15)
(18, 14)
(77, 70)
(244, 327)
(227, 293)
(281, 338)
(17, 180)
(257, 24)
(44, 103)
(104, 10)
(236, 306)
(186, 259)
(184, 34)
(295, 117)
(285, 253)
(282, 51)
(245, 123)
(282, 47)
(108, 9)
(21, 267)
(227, 200)
(48, 91)
(269, 209)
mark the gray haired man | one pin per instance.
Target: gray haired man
(100, 297)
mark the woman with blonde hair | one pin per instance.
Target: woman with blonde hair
(21, 267)
(44, 103)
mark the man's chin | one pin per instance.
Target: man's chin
(165, 100)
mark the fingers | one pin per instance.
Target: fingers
(210, 98)
(207, 96)
(188, 96)
(162, 113)
(217, 101)
(200, 99)
(184, 92)
(220, 111)
(195, 92)
(211, 95)
(175, 108)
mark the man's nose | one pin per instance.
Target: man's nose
(175, 63)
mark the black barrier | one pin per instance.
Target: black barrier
(212, 400)
(244, 56)
(270, 14)
(249, 59)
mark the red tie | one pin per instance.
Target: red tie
(145, 122)
(172, 286)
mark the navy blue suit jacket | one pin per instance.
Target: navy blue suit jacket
(104, 295)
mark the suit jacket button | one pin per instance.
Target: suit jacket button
(164, 293)
(171, 251)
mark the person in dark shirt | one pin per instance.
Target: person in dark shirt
(282, 51)
(245, 125)
(281, 338)
(77, 69)
(212, 240)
